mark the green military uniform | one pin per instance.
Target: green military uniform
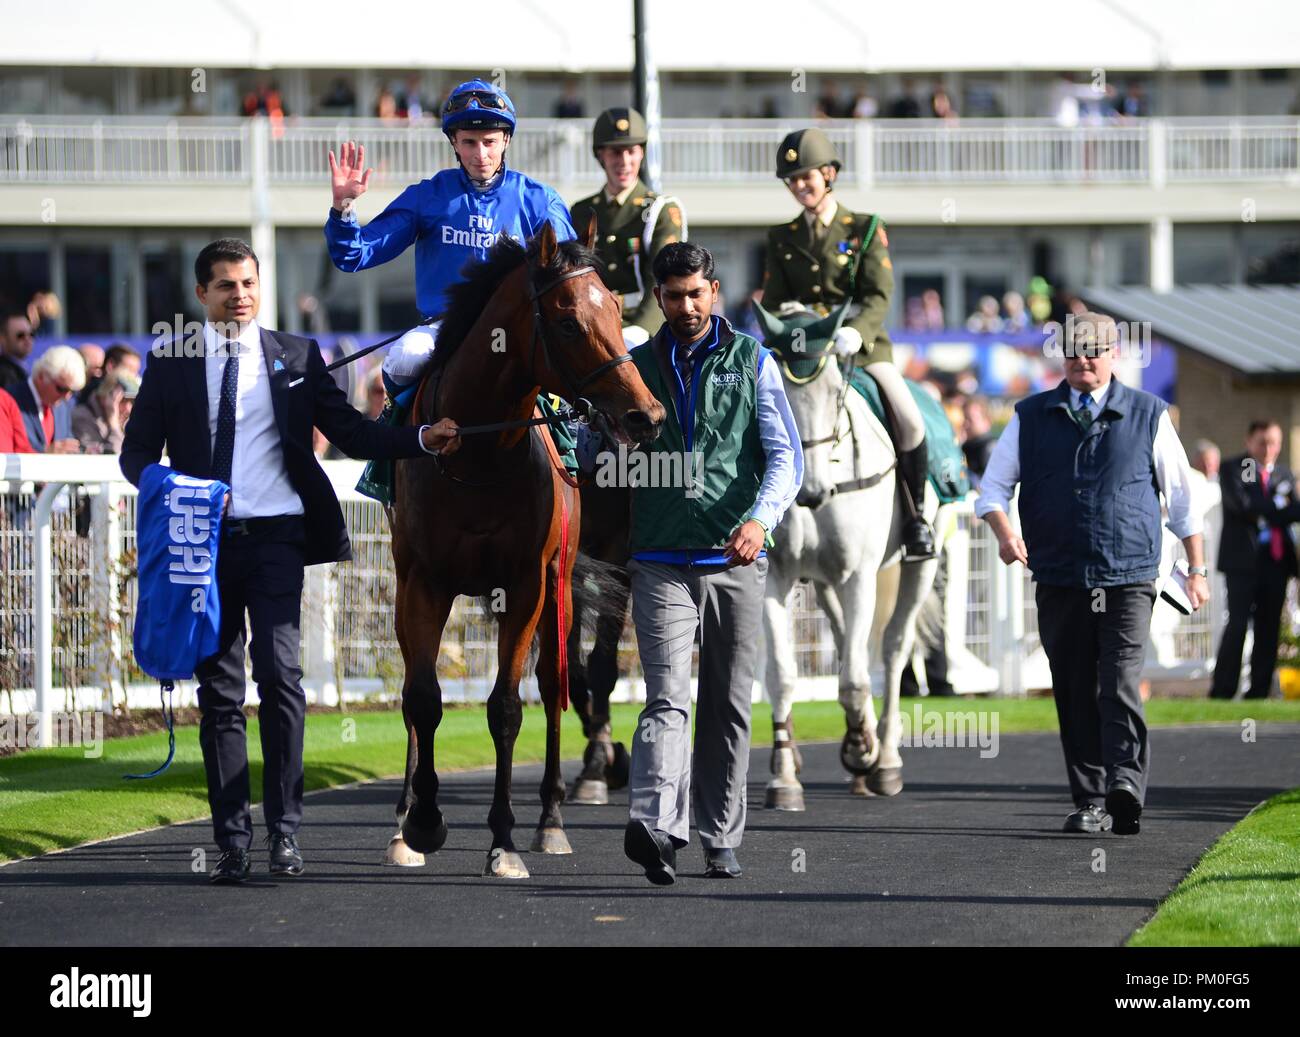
(815, 271)
(822, 267)
(630, 233)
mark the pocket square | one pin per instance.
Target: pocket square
(277, 365)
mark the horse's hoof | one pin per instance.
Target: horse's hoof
(424, 840)
(550, 840)
(618, 772)
(886, 781)
(504, 864)
(589, 792)
(784, 797)
(400, 855)
(858, 787)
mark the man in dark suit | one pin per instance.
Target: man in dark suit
(239, 406)
(45, 400)
(1257, 556)
(15, 346)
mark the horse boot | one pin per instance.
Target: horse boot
(592, 785)
(918, 537)
(784, 791)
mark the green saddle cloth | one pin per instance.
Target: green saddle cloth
(946, 466)
(378, 480)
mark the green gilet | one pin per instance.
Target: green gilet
(723, 430)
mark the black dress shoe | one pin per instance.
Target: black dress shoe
(653, 850)
(721, 863)
(1088, 818)
(286, 858)
(232, 867)
(1124, 805)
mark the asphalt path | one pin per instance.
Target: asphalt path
(971, 853)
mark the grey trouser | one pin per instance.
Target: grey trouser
(669, 604)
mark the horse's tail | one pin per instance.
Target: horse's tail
(599, 589)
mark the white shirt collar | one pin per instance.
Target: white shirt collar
(1098, 395)
(827, 216)
(249, 337)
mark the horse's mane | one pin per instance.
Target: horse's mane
(468, 298)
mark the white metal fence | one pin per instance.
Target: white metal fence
(126, 149)
(68, 593)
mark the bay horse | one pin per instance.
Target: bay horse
(500, 517)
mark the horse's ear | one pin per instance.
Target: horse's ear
(589, 239)
(773, 327)
(546, 246)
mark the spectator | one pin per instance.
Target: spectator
(1040, 300)
(386, 106)
(15, 347)
(375, 394)
(830, 103)
(43, 306)
(1205, 459)
(1066, 98)
(99, 423)
(45, 400)
(341, 99)
(412, 106)
(1257, 556)
(13, 436)
(941, 106)
(93, 355)
(120, 357)
(569, 105)
(932, 316)
(865, 106)
(1014, 317)
(265, 100)
(985, 320)
(978, 439)
(1133, 105)
(905, 105)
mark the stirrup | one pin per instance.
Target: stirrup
(918, 543)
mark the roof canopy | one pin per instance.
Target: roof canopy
(596, 35)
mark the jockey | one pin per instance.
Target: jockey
(451, 218)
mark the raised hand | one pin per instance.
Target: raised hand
(346, 173)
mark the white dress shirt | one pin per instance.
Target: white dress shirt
(1173, 472)
(259, 481)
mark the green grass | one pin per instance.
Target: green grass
(53, 798)
(1245, 891)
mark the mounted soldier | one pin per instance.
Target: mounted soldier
(829, 255)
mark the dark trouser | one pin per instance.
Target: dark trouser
(1095, 641)
(261, 572)
(1256, 597)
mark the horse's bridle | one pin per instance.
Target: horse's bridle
(580, 404)
(583, 407)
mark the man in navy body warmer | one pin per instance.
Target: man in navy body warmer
(1093, 458)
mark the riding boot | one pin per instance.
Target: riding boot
(377, 480)
(918, 537)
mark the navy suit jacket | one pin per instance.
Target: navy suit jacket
(172, 411)
(30, 407)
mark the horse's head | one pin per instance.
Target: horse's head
(580, 339)
(801, 340)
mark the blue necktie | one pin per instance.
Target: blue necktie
(223, 452)
(1084, 414)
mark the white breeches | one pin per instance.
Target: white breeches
(911, 427)
(407, 358)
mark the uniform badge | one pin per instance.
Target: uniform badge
(621, 125)
(791, 154)
(884, 238)
(842, 259)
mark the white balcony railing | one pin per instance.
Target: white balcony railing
(128, 150)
